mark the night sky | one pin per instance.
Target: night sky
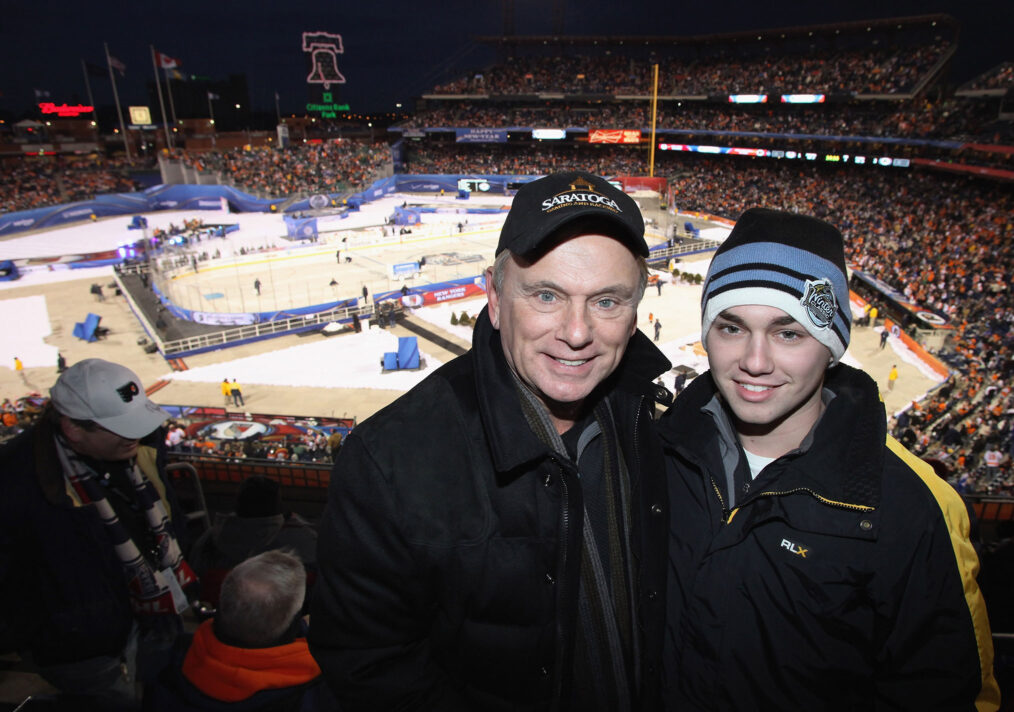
(394, 50)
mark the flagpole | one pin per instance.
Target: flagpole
(172, 104)
(119, 111)
(88, 88)
(278, 112)
(654, 116)
(211, 111)
(161, 102)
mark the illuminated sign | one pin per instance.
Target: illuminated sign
(324, 49)
(614, 136)
(748, 98)
(327, 108)
(802, 98)
(885, 161)
(140, 115)
(549, 134)
(473, 184)
(63, 110)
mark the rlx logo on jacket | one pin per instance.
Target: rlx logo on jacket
(794, 548)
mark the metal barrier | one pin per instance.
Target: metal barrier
(683, 248)
(230, 470)
(249, 332)
(189, 491)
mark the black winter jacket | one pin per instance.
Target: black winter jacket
(841, 579)
(63, 594)
(449, 550)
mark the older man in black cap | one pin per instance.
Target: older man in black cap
(91, 572)
(509, 551)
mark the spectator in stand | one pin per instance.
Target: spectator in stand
(92, 576)
(258, 524)
(253, 655)
(529, 587)
(802, 537)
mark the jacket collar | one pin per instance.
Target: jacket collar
(511, 440)
(233, 674)
(844, 462)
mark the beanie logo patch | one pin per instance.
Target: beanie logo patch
(819, 302)
(582, 194)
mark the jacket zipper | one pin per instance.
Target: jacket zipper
(721, 500)
(824, 500)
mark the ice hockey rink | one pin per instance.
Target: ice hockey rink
(315, 375)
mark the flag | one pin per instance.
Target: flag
(117, 65)
(94, 70)
(213, 96)
(165, 61)
(42, 93)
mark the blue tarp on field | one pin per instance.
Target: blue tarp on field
(8, 271)
(86, 329)
(407, 355)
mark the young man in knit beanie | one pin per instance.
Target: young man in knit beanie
(814, 562)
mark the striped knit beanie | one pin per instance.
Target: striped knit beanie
(792, 262)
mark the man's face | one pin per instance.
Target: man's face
(770, 371)
(98, 443)
(565, 320)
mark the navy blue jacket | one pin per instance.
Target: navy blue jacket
(841, 579)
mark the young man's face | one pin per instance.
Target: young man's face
(565, 320)
(770, 371)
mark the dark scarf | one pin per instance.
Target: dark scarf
(151, 592)
(606, 665)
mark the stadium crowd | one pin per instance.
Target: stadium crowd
(527, 159)
(302, 169)
(1000, 77)
(869, 70)
(965, 120)
(38, 182)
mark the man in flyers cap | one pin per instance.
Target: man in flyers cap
(509, 553)
(91, 570)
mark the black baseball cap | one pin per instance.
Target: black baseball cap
(543, 207)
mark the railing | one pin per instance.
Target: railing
(204, 342)
(250, 332)
(232, 471)
(683, 248)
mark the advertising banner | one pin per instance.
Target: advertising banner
(404, 269)
(444, 292)
(480, 135)
(614, 136)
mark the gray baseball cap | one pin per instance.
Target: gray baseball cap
(108, 394)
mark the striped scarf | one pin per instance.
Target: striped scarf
(150, 588)
(606, 663)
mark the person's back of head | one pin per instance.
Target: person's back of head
(260, 600)
(258, 496)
